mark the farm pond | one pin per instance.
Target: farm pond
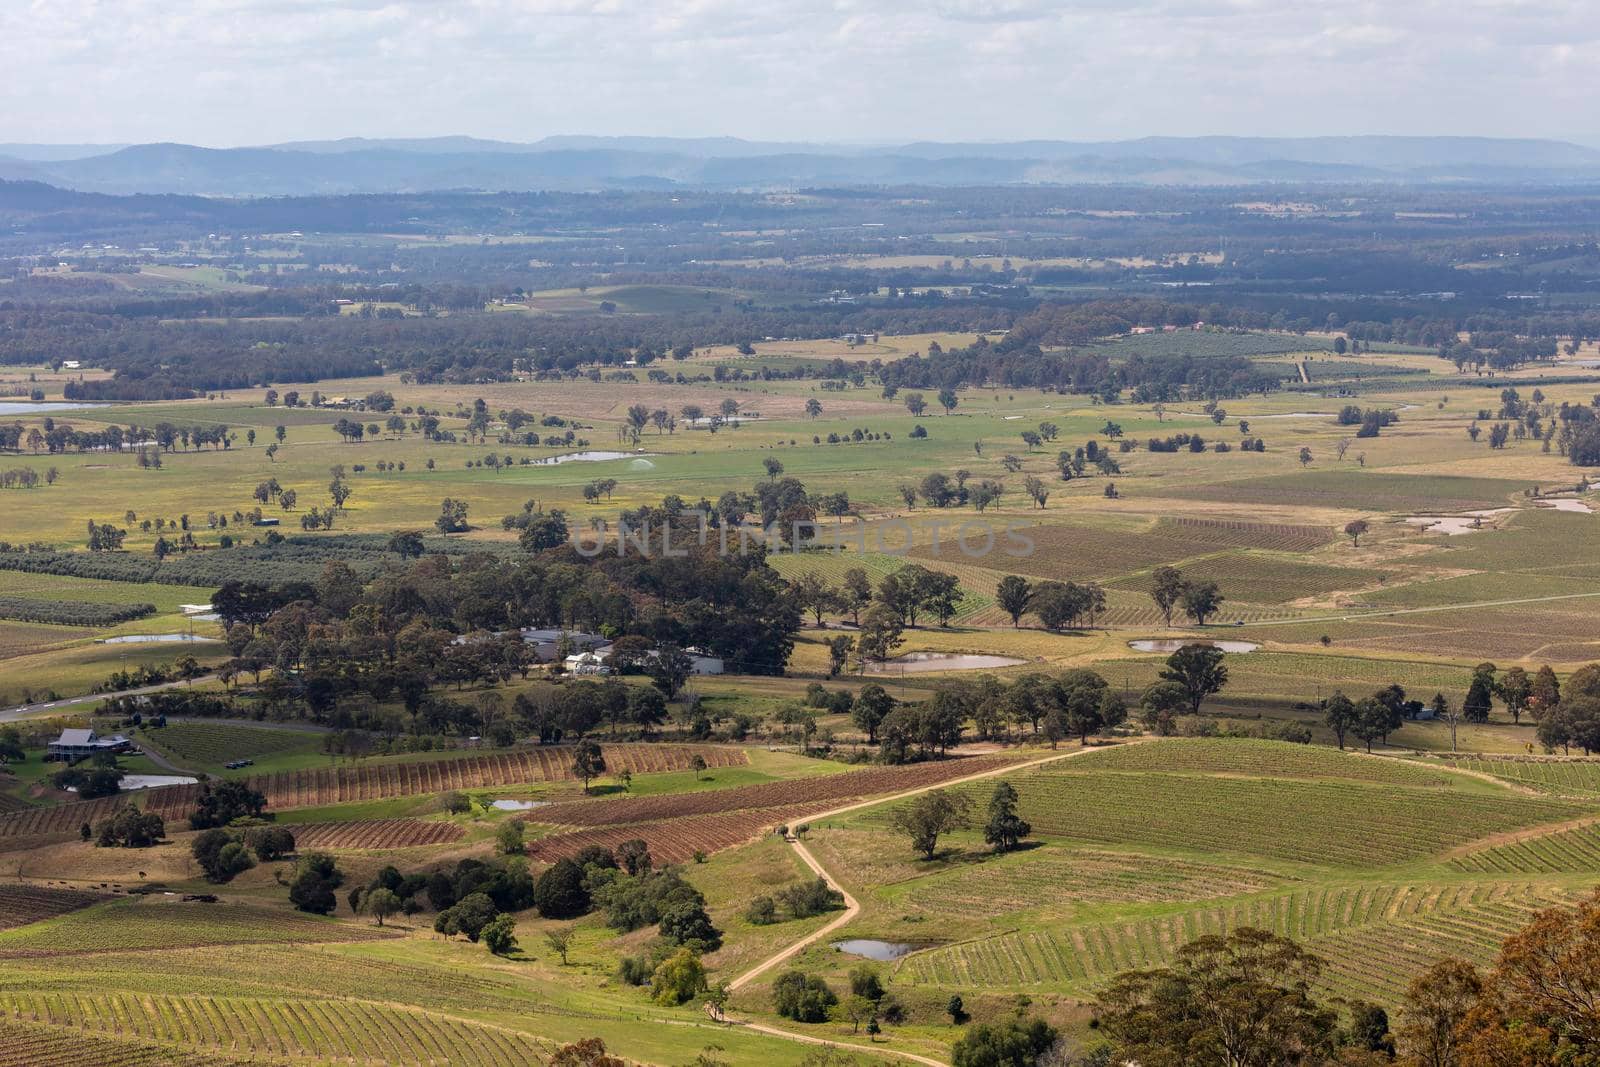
(917, 662)
(882, 951)
(160, 639)
(1172, 644)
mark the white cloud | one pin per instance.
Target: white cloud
(255, 71)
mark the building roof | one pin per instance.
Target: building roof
(76, 737)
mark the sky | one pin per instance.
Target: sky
(234, 72)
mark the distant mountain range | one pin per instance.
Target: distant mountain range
(406, 165)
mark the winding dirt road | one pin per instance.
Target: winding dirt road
(852, 907)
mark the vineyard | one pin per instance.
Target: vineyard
(1328, 823)
(24, 904)
(1208, 344)
(1259, 759)
(1374, 937)
(1053, 879)
(1557, 632)
(150, 924)
(22, 639)
(1579, 777)
(376, 834)
(43, 1045)
(1241, 533)
(26, 828)
(217, 743)
(286, 790)
(1362, 490)
(1263, 579)
(804, 791)
(672, 840)
(1080, 551)
(1576, 849)
(1533, 540)
(287, 1029)
(71, 612)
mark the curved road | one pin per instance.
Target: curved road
(852, 908)
(22, 711)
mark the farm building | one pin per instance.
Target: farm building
(587, 663)
(548, 643)
(80, 744)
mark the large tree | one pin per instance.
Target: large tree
(1004, 828)
(928, 816)
(1239, 1000)
(1012, 594)
(1167, 590)
(1198, 670)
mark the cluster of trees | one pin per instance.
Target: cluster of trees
(808, 998)
(224, 803)
(1057, 605)
(128, 828)
(1075, 703)
(100, 777)
(341, 637)
(931, 815)
(311, 885)
(1372, 718)
(1030, 356)
(901, 597)
(223, 853)
(801, 900)
(1370, 422)
(1171, 590)
(27, 478)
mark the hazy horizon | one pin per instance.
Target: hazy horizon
(228, 73)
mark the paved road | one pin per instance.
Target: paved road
(22, 711)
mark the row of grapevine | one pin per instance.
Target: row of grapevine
(1332, 921)
(672, 840)
(287, 790)
(30, 1044)
(250, 1026)
(21, 904)
(376, 833)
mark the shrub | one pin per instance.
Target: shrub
(1017, 1042)
(559, 893)
(678, 978)
(270, 842)
(456, 803)
(500, 935)
(634, 970)
(802, 997)
(810, 898)
(221, 855)
(315, 878)
(509, 838)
